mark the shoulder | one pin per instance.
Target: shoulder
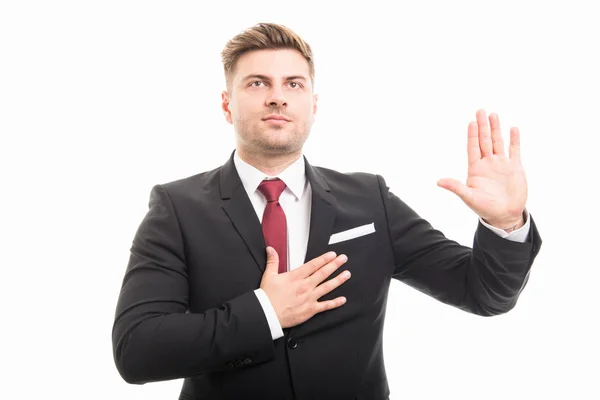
(192, 186)
(350, 180)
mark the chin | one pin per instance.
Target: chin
(277, 145)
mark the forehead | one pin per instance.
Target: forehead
(273, 62)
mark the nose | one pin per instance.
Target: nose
(276, 98)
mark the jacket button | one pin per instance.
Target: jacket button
(292, 344)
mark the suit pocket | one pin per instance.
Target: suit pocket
(369, 239)
(353, 233)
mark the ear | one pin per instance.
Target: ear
(225, 106)
(315, 98)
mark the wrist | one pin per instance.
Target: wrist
(508, 225)
(515, 226)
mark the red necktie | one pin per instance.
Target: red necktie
(274, 223)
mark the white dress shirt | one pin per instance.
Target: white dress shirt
(296, 203)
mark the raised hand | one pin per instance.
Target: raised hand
(496, 187)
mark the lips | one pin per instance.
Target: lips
(276, 118)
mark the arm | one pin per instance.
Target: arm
(154, 336)
(485, 280)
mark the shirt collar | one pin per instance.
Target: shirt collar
(294, 176)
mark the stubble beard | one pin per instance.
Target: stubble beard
(272, 139)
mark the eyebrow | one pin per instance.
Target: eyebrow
(266, 78)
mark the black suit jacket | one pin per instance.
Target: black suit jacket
(187, 307)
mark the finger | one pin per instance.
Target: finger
(328, 269)
(313, 265)
(497, 141)
(321, 306)
(272, 266)
(328, 286)
(485, 139)
(514, 150)
(473, 151)
(459, 189)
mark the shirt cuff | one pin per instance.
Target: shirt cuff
(519, 235)
(274, 325)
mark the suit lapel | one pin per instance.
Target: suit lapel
(322, 213)
(238, 208)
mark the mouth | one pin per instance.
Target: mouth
(275, 121)
(275, 118)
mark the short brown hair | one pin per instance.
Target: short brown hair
(260, 37)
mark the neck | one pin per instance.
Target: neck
(269, 164)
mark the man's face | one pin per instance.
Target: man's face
(266, 85)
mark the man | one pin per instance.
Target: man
(268, 277)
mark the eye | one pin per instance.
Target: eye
(255, 82)
(295, 85)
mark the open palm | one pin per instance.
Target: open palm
(496, 187)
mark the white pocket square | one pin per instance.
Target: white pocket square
(352, 233)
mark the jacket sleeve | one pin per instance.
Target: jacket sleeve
(154, 335)
(486, 279)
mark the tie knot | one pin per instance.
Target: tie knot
(272, 189)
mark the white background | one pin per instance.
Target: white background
(101, 100)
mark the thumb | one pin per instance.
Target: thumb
(272, 266)
(456, 187)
